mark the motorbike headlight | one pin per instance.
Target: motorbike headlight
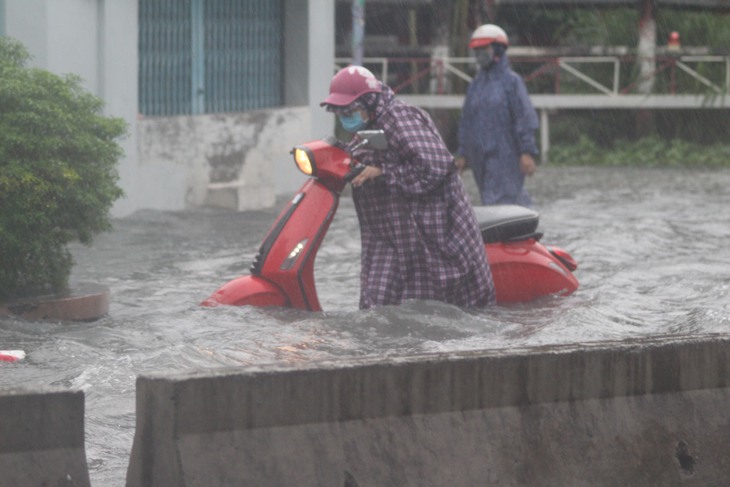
(304, 161)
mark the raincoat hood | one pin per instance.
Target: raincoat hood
(385, 98)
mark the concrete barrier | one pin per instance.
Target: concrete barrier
(82, 302)
(643, 412)
(42, 438)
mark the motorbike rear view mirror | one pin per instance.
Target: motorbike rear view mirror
(373, 139)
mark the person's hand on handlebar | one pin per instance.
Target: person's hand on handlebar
(370, 172)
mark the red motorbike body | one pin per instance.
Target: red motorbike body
(283, 271)
(523, 269)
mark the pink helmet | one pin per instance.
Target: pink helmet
(487, 34)
(349, 84)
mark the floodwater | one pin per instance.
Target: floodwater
(652, 246)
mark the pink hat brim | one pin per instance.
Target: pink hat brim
(338, 100)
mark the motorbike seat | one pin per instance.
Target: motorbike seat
(501, 223)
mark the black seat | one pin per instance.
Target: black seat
(501, 223)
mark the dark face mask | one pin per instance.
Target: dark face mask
(484, 56)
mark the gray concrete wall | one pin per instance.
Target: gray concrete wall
(42, 438)
(644, 412)
(238, 160)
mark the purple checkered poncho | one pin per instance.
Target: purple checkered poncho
(420, 238)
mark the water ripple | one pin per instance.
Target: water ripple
(653, 260)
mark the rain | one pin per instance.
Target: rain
(621, 186)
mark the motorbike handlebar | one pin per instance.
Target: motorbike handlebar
(354, 172)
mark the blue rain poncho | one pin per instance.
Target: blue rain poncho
(498, 124)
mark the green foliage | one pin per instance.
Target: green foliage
(645, 152)
(58, 176)
(703, 127)
(696, 28)
(585, 26)
(610, 26)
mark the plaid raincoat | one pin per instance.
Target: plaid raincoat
(498, 124)
(420, 238)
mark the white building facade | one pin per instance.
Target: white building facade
(238, 159)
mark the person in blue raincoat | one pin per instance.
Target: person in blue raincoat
(498, 124)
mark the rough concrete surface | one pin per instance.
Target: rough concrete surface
(641, 412)
(42, 438)
(81, 303)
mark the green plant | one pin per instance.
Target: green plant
(58, 177)
(607, 26)
(644, 152)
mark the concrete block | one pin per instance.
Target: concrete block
(42, 438)
(641, 412)
(84, 302)
(239, 196)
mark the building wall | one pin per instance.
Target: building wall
(225, 160)
(25, 20)
(97, 40)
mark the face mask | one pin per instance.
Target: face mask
(484, 57)
(353, 122)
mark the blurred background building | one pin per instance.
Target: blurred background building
(216, 92)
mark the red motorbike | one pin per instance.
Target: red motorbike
(282, 273)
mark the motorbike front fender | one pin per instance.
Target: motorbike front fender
(247, 291)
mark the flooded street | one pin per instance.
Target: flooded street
(651, 245)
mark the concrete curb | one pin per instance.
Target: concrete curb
(42, 438)
(640, 412)
(82, 303)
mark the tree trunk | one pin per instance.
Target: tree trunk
(440, 82)
(646, 62)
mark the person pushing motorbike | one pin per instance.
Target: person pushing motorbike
(420, 237)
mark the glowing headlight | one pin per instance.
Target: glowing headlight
(303, 162)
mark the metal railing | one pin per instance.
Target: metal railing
(558, 82)
(565, 75)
